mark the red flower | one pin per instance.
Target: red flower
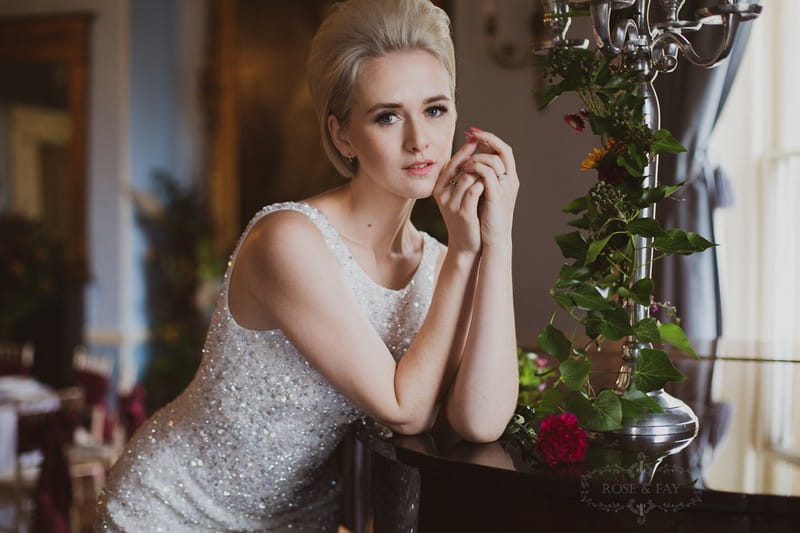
(575, 121)
(561, 440)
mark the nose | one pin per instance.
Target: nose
(416, 138)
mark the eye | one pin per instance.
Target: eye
(436, 111)
(387, 119)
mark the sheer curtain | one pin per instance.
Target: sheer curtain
(757, 140)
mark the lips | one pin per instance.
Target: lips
(416, 165)
(419, 168)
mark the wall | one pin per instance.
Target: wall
(548, 154)
(143, 116)
(107, 168)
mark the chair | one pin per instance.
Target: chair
(15, 358)
(98, 438)
(40, 477)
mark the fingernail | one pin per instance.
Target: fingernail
(470, 136)
(476, 130)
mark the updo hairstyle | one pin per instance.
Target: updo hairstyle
(356, 30)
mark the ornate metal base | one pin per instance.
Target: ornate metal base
(657, 433)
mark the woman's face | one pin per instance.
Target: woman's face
(402, 122)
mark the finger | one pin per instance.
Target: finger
(452, 167)
(487, 175)
(463, 182)
(491, 160)
(496, 144)
(469, 203)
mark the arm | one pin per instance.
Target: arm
(484, 393)
(298, 284)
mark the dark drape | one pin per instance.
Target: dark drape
(691, 100)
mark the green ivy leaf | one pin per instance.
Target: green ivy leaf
(673, 334)
(572, 246)
(571, 275)
(600, 125)
(596, 248)
(602, 73)
(563, 300)
(583, 222)
(574, 373)
(550, 402)
(698, 242)
(577, 205)
(630, 165)
(653, 370)
(593, 322)
(642, 290)
(624, 292)
(617, 81)
(615, 324)
(656, 194)
(606, 412)
(577, 403)
(646, 330)
(646, 227)
(636, 403)
(554, 342)
(665, 142)
(587, 297)
(637, 155)
(677, 241)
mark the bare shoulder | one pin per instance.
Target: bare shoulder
(282, 260)
(281, 237)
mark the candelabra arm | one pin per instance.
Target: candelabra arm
(729, 26)
(601, 23)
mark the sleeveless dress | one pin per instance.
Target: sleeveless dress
(248, 446)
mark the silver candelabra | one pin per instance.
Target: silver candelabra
(647, 49)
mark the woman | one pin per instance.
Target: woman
(337, 307)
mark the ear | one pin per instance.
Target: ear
(339, 136)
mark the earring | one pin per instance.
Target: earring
(350, 159)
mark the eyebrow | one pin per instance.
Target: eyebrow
(392, 105)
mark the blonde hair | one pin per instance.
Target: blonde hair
(356, 30)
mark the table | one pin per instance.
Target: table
(20, 395)
(741, 473)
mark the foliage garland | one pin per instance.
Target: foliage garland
(596, 286)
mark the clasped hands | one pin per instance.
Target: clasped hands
(476, 192)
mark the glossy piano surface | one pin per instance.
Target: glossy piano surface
(741, 472)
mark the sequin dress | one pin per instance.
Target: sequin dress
(248, 445)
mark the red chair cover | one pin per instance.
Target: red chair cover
(132, 412)
(14, 369)
(49, 433)
(95, 388)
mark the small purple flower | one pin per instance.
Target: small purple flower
(654, 308)
(575, 121)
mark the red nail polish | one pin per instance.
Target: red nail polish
(470, 136)
(476, 130)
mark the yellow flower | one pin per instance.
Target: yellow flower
(593, 157)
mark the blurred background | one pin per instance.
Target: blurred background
(138, 137)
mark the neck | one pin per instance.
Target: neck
(376, 219)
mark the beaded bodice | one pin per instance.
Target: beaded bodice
(248, 445)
